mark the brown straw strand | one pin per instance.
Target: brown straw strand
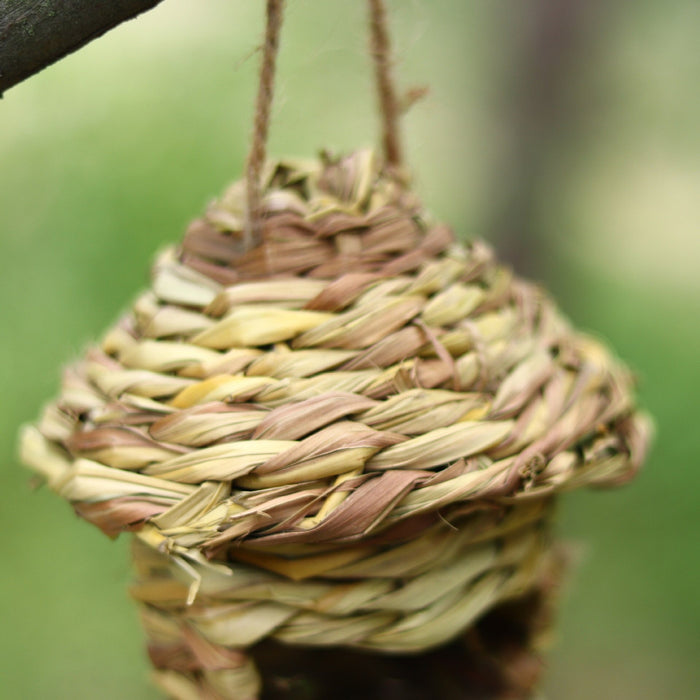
(380, 49)
(256, 157)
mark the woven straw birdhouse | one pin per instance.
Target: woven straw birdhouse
(349, 434)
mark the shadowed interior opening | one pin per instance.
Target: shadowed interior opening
(497, 658)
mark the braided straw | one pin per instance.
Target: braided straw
(349, 435)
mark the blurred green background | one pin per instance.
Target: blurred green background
(564, 132)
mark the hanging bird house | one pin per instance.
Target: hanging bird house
(334, 429)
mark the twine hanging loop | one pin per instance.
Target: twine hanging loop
(389, 108)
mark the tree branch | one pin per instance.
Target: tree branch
(35, 33)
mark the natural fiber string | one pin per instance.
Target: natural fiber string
(256, 157)
(389, 106)
(380, 50)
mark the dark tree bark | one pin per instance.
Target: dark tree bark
(35, 33)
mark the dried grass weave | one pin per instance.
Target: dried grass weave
(349, 434)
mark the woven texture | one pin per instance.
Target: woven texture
(350, 434)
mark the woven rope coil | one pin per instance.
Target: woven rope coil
(350, 434)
